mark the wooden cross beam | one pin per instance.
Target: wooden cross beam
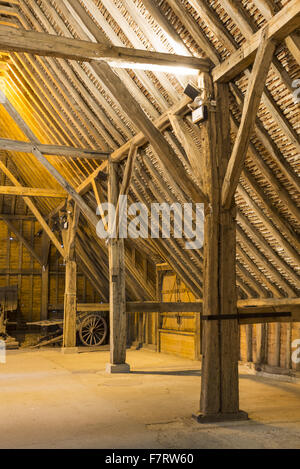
(269, 8)
(252, 311)
(49, 45)
(53, 171)
(192, 151)
(88, 212)
(35, 211)
(278, 28)
(161, 123)
(252, 99)
(73, 231)
(129, 168)
(31, 192)
(157, 141)
(55, 150)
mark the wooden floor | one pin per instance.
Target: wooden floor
(51, 400)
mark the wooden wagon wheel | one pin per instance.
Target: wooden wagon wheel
(93, 330)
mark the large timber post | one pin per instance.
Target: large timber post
(70, 297)
(45, 276)
(219, 382)
(69, 337)
(117, 295)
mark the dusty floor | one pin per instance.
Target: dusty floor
(51, 400)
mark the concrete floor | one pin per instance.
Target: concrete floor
(51, 400)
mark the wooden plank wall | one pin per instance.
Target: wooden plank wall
(177, 334)
(17, 267)
(141, 327)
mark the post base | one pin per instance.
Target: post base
(221, 417)
(117, 368)
(136, 345)
(69, 350)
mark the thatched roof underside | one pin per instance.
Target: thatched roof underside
(64, 102)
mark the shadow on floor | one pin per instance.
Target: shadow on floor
(166, 373)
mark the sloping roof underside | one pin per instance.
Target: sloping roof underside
(64, 102)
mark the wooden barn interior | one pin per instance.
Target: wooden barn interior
(166, 102)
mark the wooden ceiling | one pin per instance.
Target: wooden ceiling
(67, 102)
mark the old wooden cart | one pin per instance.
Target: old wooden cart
(91, 326)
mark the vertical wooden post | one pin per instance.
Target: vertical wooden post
(219, 382)
(117, 295)
(158, 291)
(261, 345)
(249, 342)
(45, 292)
(288, 345)
(69, 338)
(277, 333)
(70, 297)
(45, 276)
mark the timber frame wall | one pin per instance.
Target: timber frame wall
(241, 162)
(18, 266)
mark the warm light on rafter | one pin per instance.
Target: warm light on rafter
(173, 69)
(2, 84)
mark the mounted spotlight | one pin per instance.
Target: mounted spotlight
(192, 91)
(198, 107)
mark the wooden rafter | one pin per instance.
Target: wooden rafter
(251, 104)
(269, 8)
(160, 123)
(122, 149)
(278, 28)
(156, 139)
(193, 153)
(267, 141)
(269, 224)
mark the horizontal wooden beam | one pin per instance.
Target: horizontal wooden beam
(278, 28)
(32, 192)
(146, 307)
(16, 217)
(269, 302)
(49, 45)
(244, 306)
(52, 150)
(268, 315)
(252, 311)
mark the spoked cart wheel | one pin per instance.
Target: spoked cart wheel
(93, 329)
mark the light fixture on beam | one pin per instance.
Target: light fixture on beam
(198, 106)
(202, 102)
